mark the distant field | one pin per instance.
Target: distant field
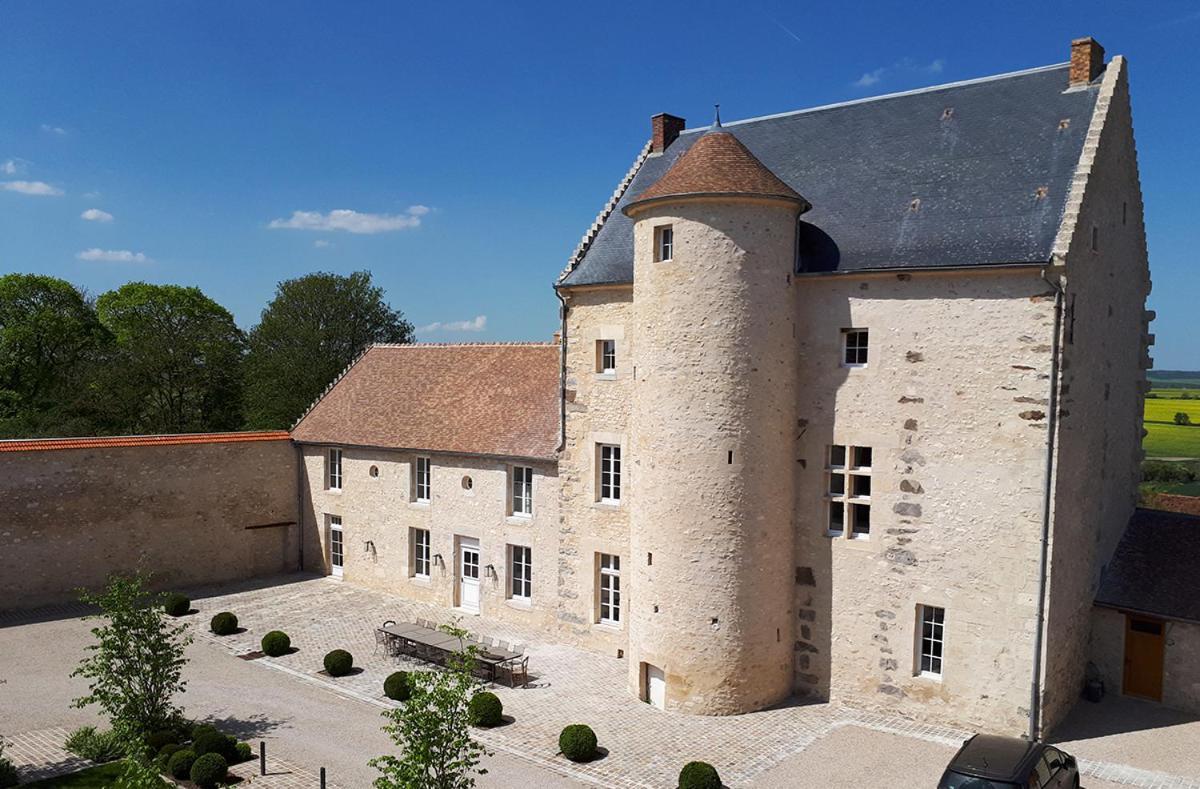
(1164, 438)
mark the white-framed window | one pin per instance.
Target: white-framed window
(854, 347)
(609, 488)
(606, 356)
(333, 469)
(931, 640)
(337, 551)
(522, 490)
(664, 243)
(419, 539)
(848, 491)
(520, 569)
(421, 481)
(608, 583)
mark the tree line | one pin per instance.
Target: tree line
(168, 359)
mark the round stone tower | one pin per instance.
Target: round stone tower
(713, 433)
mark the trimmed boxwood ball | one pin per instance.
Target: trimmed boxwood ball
(485, 710)
(155, 740)
(170, 749)
(223, 624)
(200, 728)
(244, 753)
(699, 775)
(209, 770)
(577, 742)
(276, 643)
(396, 686)
(180, 763)
(215, 742)
(339, 662)
(177, 604)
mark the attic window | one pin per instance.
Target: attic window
(1064, 124)
(915, 205)
(947, 113)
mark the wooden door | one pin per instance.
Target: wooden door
(1143, 657)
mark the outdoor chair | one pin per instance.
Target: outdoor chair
(382, 639)
(518, 667)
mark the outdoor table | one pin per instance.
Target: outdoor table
(491, 657)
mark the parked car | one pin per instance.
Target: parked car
(989, 762)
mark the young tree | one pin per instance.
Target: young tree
(432, 729)
(135, 668)
(312, 329)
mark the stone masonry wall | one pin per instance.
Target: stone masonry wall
(1181, 670)
(185, 512)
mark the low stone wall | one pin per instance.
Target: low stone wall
(191, 509)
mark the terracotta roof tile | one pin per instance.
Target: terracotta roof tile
(92, 442)
(478, 399)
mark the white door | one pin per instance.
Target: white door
(656, 686)
(468, 574)
(336, 546)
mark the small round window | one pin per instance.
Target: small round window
(467, 483)
(374, 471)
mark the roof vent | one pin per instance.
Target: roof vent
(1087, 61)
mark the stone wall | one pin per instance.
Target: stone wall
(191, 513)
(1181, 670)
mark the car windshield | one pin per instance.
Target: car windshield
(952, 780)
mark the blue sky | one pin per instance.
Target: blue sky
(477, 141)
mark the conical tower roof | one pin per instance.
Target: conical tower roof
(717, 164)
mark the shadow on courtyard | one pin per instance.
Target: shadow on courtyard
(244, 728)
(1119, 715)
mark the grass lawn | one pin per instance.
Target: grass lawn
(92, 778)
(1164, 438)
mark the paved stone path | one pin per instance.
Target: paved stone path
(40, 754)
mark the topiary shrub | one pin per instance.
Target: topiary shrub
(243, 753)
(180, 764)
(338, 663)
(276, 643)
(155, 740)
(699, 775)
(209, 770)
(485, 710)
(85, 742)
(223, 624)
(200, 729)
(177, 604)
(215, 742)
(396, 686)
(578, 742)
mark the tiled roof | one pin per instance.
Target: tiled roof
(478, 399)
(1154, 569)
(717, 164)
(973, 173)
(46, 444)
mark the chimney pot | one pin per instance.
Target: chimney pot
(1087, 60)
(664, 130)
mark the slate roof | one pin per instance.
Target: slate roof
(988, 161)
(103, 442)
(1156, 567)
(477, 399)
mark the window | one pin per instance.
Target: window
(848, 491)
(610, 588)
(419, 539)
(606, 356)
(333, 469)
(522, 490)
(610, 473)
(521, 571)
(854, 347)
(664, 243)
(337, 553)
(932, 621)
(421, 481)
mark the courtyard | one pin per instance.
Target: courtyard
(310, 721)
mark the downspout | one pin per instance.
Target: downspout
(1035, 693)
(300, 480)
(562, 372)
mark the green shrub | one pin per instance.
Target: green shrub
(8, 770)
(170, 749)
(578, 742)
(180, 763)
(223, 624)
(86, 743)
(243, 753)
(1166, 471)
(215, 742)
(396, 687)
(276, 643)
(1182, 418)
(339, 662)
(209, 770)
(485, 710)
(177, 604)
(155, 740)
(200, 729)
(699, 775)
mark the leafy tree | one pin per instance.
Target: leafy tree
(50, 344)
(176, 367)
(313, 328)
(1182, 418)
(135, 668)
(432, 729)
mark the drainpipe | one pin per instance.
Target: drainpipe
(562, 372)
(1035, 693)
(300, 480)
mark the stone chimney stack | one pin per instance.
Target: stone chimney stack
(1087, 61)
(664, 130)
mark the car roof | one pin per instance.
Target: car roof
(992, 756)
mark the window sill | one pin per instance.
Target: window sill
(519, 603)
(835, 535)
(418, 505)
(419, 580)
(519, 520)
(607, 376)
(333, 490)
(925, 675)
(607, 505)
(611, 627)
(854, 366)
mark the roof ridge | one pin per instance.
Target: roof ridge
(882, 97)
(480, 344)
(145, 439)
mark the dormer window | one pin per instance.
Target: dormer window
(664, 243)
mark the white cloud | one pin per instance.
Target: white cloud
(10, 167)
(96, 215)
(352, 221)
(320, 243)
(900, 67)
(91, 195)
(478, 323)
(870, 78)
(60, 131)
(113, 255)
(39, 188)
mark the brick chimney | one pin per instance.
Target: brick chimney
(1087, 61)
(664, 130)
